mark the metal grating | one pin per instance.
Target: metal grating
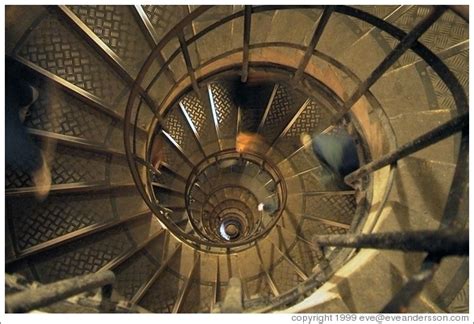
(338, 208)
(117, 28)
(132, 274)
(37, 222)
(285, 276)
(163, 294)
(304, 257)
(164, 18)
(448, 30)
(170, 155)
(226, 110)
(459, 65)
(81, 257)
(308, 121)
(284, 106)
(69, 166)
(61, 113)
(180, 131)
(200, 117)
(54, 47)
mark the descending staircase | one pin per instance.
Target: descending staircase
(175, 136)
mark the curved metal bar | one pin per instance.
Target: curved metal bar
(438, 65)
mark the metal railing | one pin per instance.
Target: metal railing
(407, 41)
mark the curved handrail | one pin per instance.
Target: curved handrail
(429, 57)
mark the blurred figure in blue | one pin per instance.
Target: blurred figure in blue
(20, 151)
(337, 153)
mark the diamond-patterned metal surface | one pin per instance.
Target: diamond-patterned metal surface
(459, 65)
(198, 299)
(170, 155)
(226, 110)
(308, 121)
(285, 276)
(339, 208)
(305, 257)
(311, 228)
(80, 257)
(284, 106)
(447, 31)
(200, 117)
(53, 46)
(117, 28)
(69, 166)
(37, 222)
(162, 296)
(180, 131)
(131, 275)
(164, 18)
(377, 10)
(61, 113)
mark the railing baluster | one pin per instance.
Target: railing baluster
(406, 43)
(147, 164)
(82, 95)
(268, 277)
(391, 17)
(267, 108)
(214, 298)
(452, 218)
(152, 38)
(299, 238)
(193, 128)
(401, 300)
(246, 42)
(105, 51)
(189, 65)
(141, 292)
(435, 135)
(214, 115)
(289, 125)
(313, 43)
(115, 262)
(182, 294)
(297, 268)
(178, 148)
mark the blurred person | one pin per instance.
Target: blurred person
(249, 142)
(21, 152)
(337, 153)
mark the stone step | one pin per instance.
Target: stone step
(302, 22)
(410, 125)
(422, 186)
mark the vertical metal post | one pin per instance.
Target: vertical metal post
(312, 44)
(189, 65)
(246, 42)
(405, 44)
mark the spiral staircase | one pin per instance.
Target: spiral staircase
(176, 141)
